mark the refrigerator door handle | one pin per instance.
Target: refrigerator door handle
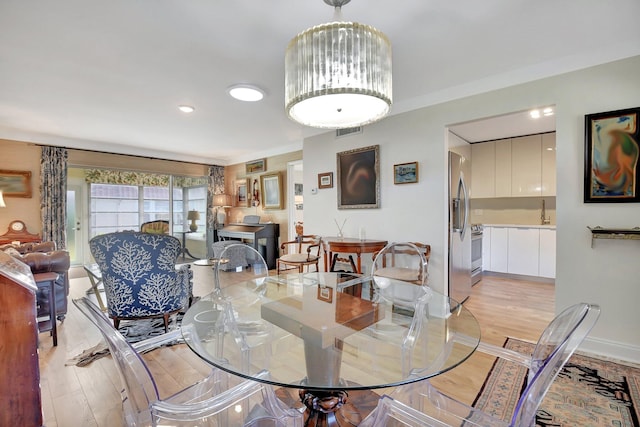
(465, 200)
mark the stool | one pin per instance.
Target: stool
(44, 281)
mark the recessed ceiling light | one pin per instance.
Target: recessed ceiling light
(186, 108)
(548, 111)
(245, 92)
(535, 114)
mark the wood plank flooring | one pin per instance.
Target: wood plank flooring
(88, 396)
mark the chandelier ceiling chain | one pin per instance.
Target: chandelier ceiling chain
(338, 75)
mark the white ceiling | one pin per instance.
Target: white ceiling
(108, 75)
(505, 126)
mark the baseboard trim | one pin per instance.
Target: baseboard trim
(519, 276)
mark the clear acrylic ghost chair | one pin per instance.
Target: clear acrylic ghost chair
(404, 261)
(555, 346)
(206, 403)
(242, 263)
(390, 412)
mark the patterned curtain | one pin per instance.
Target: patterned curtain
(53, 195)
(216, 186)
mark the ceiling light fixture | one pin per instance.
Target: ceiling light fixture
(186, 108)
(338, 74)
(247, 93)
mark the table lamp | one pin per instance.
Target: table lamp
(193, 216)
(221, 201)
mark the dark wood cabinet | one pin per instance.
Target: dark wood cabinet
(20, 398)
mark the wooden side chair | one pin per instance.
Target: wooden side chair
(157, 227)
(296, 257)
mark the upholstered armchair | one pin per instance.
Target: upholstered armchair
(44, 258)
(140, 276)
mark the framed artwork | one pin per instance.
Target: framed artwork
(611, 157)
(359, 178)
(325, 180)
(325, 293)
(256, 166)
(297, 189)
(242, 193)
(271, 191)
(405, 173)
(15, 183)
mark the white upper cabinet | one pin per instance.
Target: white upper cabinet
(526, 166)
(549, 164)
(503, 168)
(483, 170)
(517, 167)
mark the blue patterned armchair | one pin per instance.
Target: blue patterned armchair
(140, 275)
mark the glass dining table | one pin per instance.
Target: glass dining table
(328, 339)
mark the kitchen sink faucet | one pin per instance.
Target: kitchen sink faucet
(544, 220)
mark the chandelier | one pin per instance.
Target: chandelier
(338, 74)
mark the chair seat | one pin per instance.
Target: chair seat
(299, 258)
(404, 274)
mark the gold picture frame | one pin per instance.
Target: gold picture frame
(243, 193)
(359, 178)
(256, 166)
(271, 186)
(405, 173)
(15, 183)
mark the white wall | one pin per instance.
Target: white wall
(606, 274)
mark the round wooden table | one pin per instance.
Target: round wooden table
(351, 246)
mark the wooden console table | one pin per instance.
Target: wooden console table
(351, 246)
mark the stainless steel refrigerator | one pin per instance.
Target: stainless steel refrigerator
(459, 228)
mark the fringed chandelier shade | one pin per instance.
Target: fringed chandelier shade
(338, 75)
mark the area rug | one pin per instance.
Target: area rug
(588, 392)
(134, 331)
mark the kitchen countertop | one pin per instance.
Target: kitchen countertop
(546, 226)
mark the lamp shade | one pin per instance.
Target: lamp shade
(338, 75)
(222, 200)
(2, 204)
(193, 215)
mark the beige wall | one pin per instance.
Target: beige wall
(237, 172)
(21, 156)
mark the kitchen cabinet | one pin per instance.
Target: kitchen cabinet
(515, 167)
(549, 164)
(523, 251)
(547, 266)
(486, 249)
(526, 166)
(503, 168)
(483, 170)
(499, 249)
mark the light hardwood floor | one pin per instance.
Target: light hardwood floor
(87, 396)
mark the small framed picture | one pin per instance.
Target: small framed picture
(325, 293)
(325, 180)
(257, 166)
(405, 173)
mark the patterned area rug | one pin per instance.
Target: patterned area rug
(134, 331)
(589, 392)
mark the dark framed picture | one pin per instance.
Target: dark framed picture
(15, 183)
(359, 178)
(325, 180)
(405, 173)
(242, 193)
(271, 191)
(611, 157)
(256, 166)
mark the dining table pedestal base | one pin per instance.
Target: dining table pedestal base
(330, 408)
